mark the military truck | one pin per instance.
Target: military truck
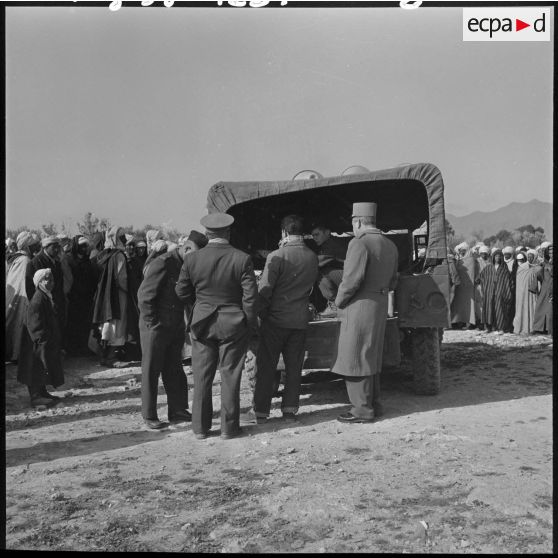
(409, 196)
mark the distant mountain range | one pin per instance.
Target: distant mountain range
(510, 217)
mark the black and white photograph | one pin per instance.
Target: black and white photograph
(279, 276)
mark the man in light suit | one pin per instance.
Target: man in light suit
(370, 272)
(219, 286)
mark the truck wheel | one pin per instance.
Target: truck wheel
(426, 360)
(440, 336)
(250, 369)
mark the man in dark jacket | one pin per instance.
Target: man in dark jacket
(162, 331)
(80, 297)
(219, 285)
(284, 289)
(40, 361)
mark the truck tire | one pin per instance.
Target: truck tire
(250, 369)
(440, 336)
(426, 360)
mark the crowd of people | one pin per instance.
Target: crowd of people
(505, 290)
(124, 298)
(93, 285)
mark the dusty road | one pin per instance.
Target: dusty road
(466, 471)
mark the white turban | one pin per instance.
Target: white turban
(462, 246)
(40, 275)
(507, 250)
(171, 246)
(532, 251)
(484, 249)
(22, 239)
(520, 249)
(49, 240)
(494, 248)
(545, 244)
(159, 246)
(152, 236)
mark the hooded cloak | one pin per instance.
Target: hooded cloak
(497, 295)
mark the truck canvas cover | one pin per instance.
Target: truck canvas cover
(407, 196)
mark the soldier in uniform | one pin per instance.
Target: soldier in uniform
(370, 273)
(219, 285)
(162, 331)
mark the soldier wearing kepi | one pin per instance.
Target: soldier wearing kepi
(370, 273)
(162, 331)
(219, 284)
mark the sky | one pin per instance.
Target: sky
(135, 114)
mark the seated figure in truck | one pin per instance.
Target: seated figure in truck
(332, 251)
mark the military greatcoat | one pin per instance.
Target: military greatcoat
(370, 272)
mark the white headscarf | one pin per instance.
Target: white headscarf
(113, 239)
(151, 237)
(40, 274)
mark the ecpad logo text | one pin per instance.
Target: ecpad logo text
(506, 24)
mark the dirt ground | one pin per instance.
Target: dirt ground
(466, 471)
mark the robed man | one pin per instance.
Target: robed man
(496, 285)
(28, 244)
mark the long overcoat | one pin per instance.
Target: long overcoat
(40, 360)
(497, 296)
(16, 303)
(543, 310)
(370, 272)
(43, 261)
(463, 303)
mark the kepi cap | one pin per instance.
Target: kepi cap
(217, 221)
(364, 209)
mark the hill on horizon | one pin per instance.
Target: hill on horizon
(509, 217)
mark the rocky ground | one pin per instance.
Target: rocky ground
(466, 471)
